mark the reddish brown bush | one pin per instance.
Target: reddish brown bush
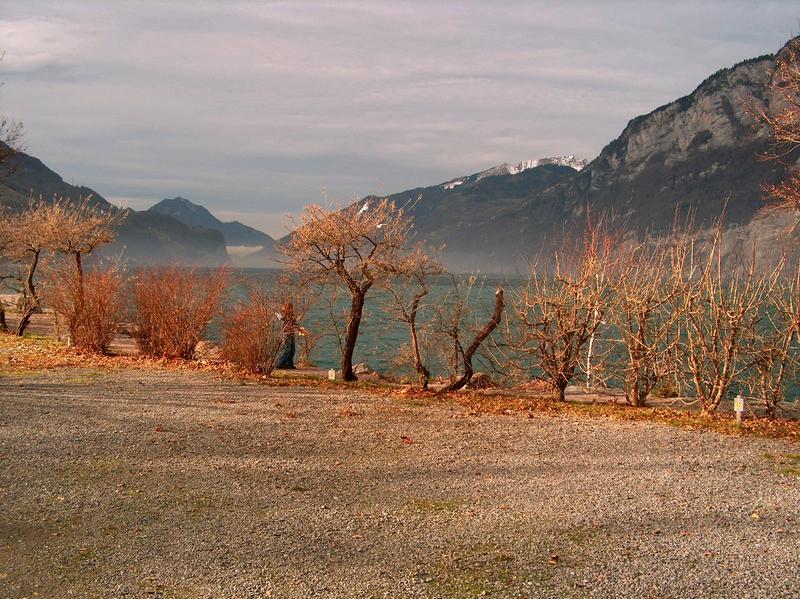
(92, 306)
(252, 334)
(173, 307)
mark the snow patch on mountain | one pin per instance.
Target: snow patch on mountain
(514, 169)
(454, 183)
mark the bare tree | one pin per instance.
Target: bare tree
(82, 228)
(10, 144)
(357, 247)
(721, 308)
(561, 313)
(408, 288)
(783, 120)
(774, 345)
(451, 313)
(31, 234)
(645, 315)
(44, 228)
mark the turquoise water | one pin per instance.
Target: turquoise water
(381, 335)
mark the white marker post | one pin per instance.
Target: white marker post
(738, 407)
(331, 375)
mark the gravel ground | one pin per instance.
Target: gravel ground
(175, 484)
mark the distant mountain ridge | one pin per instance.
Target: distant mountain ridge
(195, 215)
(141, 236)
(513, 169)
(698, 155)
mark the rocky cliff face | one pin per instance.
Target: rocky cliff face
(698, 154)
(718, 114)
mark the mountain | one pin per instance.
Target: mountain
(141, 236)
(698, 155)
(194, 215)
(514, 169)
(469, 214)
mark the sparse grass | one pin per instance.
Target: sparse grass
(477, 571)
(42, 338)
(22, 374)
(787, 464)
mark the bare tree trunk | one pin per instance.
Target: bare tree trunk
(80, 301)
(351, 335)
(3, 323)
(80, 295)
(561, 389)
(32, 304)
(424, 373)
(476, 343)
(635, 388)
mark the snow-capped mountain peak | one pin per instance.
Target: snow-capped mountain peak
(513, 169)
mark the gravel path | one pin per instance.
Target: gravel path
(175, 484)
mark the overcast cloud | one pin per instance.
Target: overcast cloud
(257, 108)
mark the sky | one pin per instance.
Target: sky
(255, 109)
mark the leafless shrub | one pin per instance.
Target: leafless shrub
(252, 333)
(561, 312)
(772, 348)
(645, 316)
(454, 315)
(91, 306)
(721, 308)
(173, 306)
(303, 296)
(407, 289)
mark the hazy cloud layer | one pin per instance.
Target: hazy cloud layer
(258, 108)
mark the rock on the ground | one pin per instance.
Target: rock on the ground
(481, 380)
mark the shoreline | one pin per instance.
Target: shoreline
(40, 352)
